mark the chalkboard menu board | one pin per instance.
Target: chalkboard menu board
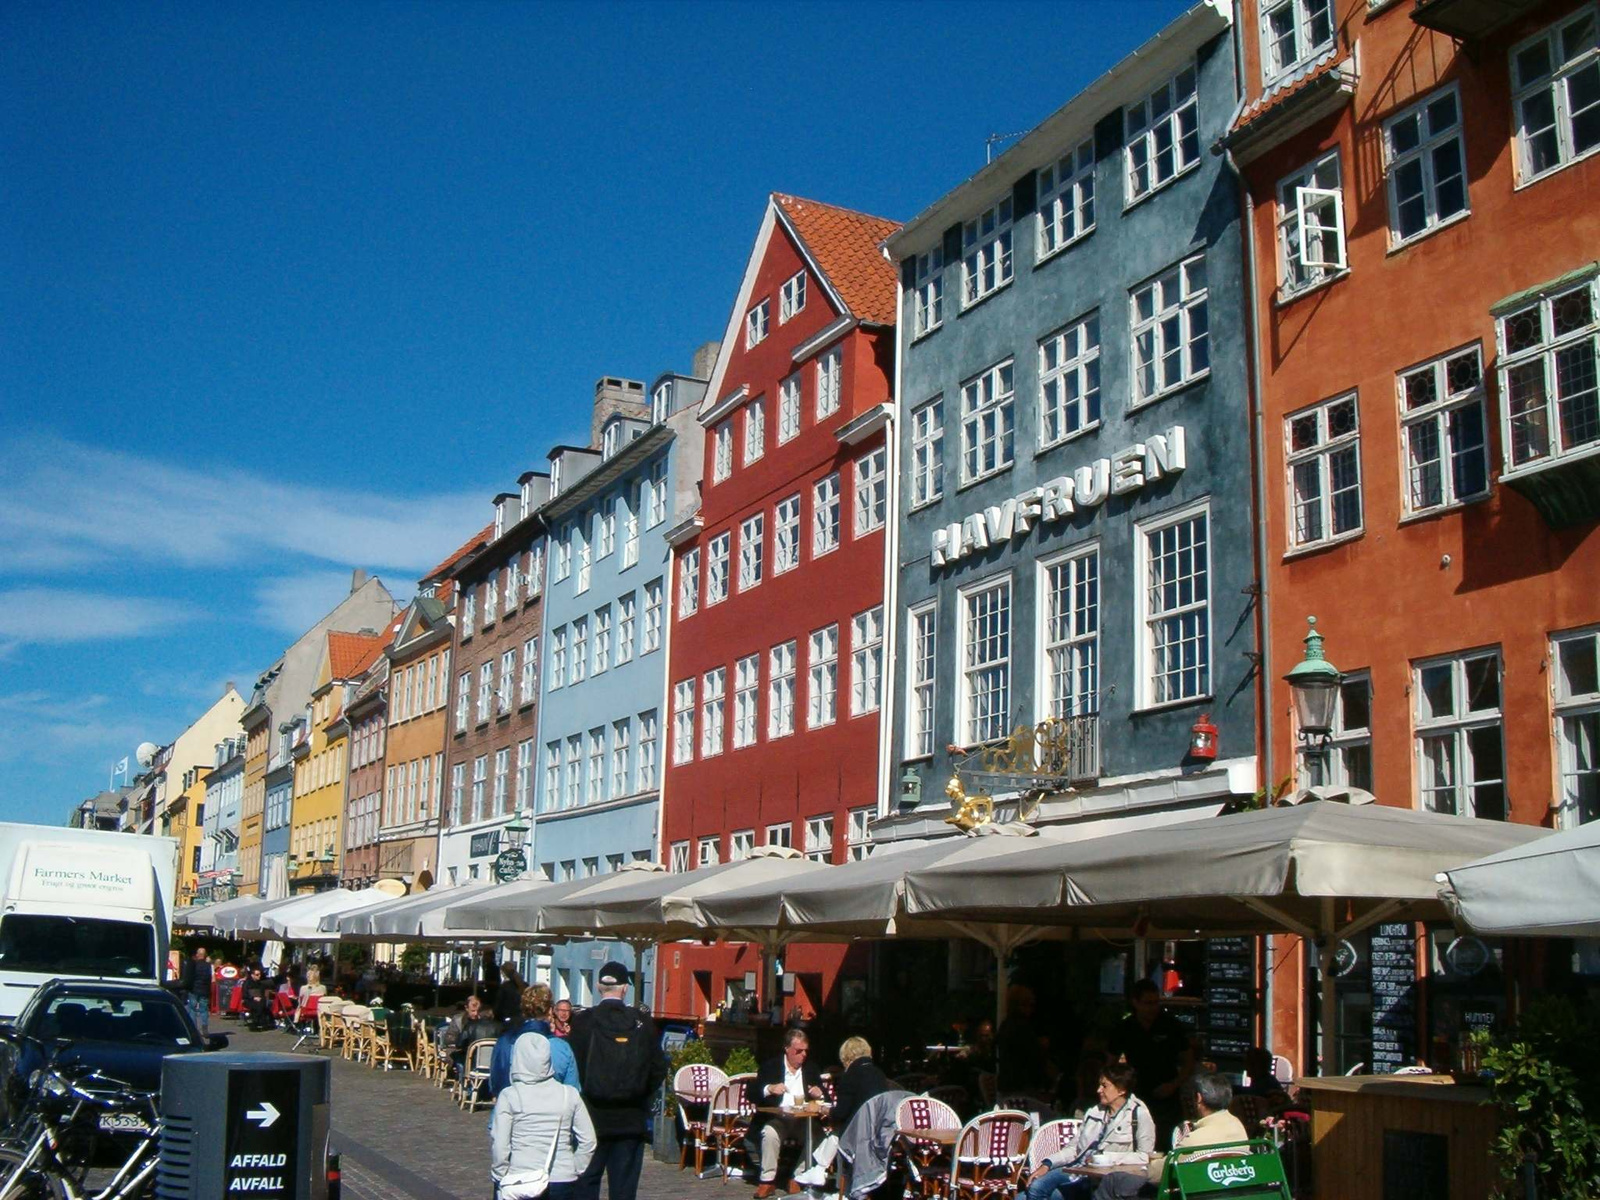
(1394, 997)
(1228, 1017)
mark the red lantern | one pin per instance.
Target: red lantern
(1203, 738)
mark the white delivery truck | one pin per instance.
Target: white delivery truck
(82, 904)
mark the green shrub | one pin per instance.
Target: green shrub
(741, 1061)
(693, 1051)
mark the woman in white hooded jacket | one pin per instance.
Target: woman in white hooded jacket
(534, 1111)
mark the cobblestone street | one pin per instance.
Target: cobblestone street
(403, 1139)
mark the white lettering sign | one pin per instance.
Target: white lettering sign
(1230, 1174)
(1126, 471)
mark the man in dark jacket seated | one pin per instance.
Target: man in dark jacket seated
(787, 1080)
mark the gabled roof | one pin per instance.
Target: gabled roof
(482, 538)
(350, 654)
(844, 244)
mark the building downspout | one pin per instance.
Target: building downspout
(891, 574)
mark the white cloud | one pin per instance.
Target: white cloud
(64, 506)
(42, 614)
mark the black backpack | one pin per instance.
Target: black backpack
(621, 1052)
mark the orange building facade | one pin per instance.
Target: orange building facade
(1420, 183)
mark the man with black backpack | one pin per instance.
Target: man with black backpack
(620, 1062)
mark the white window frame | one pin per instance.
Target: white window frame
(1314, 191)
(871, 491)
(683, 706)
(1306, 40)
(822, 677)
(689, 582)
(988, 422)
(458, 788)
(1435, 420)
(558, 657)
(819, 839)
(1556, 83)
(792, 296)
(1066, 200)
(789, 409)
(1069, 637)
(922, 667)
(1069, 381)
(1577, 728)
(627, 627)
(1174, 302)
(860, 833)
(534, 575)
(524, 794)
(513, 586)
(630, 529)
(1323, 456)
(678, 858)
(1432, 143)
(825, 505)
(740, 844)
(1168, 119)
(656, 508)
(830, 382)
(987, 261)
(585, 558)
(595, 771)
(572, 789)
(485, 691)
(1540, 362)
(561, 563)
(480, 776)
(504, 692)
(1151, 694)
(1455, 730)
(645, 770)
(1330, 767)
(463, 701)
(755, 430)
(602, 640)
(719, 553)
(713, 711)
(722, 452)
(502, 781)
(780, 834)
(746, 697)
(927, 452)
(786, 535)
(608, 529)
(528, 687)
(552, 776)
(710, 851)
(757, 323)
(781, 690)
(578, 662)
(928, 291)
(652, 615)
(974, 728)
(469, 612)
(752, 551)
(866, 661)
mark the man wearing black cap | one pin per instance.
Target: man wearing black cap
(620, 1063)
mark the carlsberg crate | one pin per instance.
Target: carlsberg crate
(1237, 1169)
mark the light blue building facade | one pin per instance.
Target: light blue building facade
(600, 741)
(1074, 497)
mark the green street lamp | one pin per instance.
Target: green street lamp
(1314, 685)
(516, 829)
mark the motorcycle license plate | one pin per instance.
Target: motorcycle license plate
(124, 1123)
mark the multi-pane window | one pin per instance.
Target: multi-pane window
(1311, 241)
(552, 776)
(788, 408)
(1163, 135)
(513, 584)
(1460, 743)
(1175, 590)
(755, 324)
(986, 259)
(573, 792)
(1069, 381)
(1426, 164)
(923, 623)
(597, 765)
(822, 663)
(480, 777)
(1556, 78)
(678, 858)
(485, 690)
(458, 776)
(652, 616)
(1548, 354)
(927, 452)
(463, 700)
(928, 292)
(503, 689)
(718, 551)
(630, 528)
(755, 430)
(830, 373)
(621, 739)
(683, 721)
(1293, 31)
(558, 657)
(1347, 760)
(585, 553)
(740, 843)
(469, 612)
(502, 779)
(578, 668)
(530, 671)
(792, 296)
(1171, 331)
(602, 639)
(780, 691)
(1072, 635)
(819, 839)
(1324, 450)
(825, 515)
(713, 697)
(1066, 199)
(1576, 679)
(710, 851)
(647, 750)
(722, 452)
(608, 529)
(752, 551)
(746, 686)
(860, 840)
(1443, 423)
(689, 582)
(872, 490)
(627, 623)
(561, 567)
(985, 662)
(780, 835)
(535, 572)
(988, 433)
(866, 661)
(786, 550)
(655, 510)
(524, 798)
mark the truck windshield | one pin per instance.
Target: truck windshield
(77, 946)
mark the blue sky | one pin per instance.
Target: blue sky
(294, 288)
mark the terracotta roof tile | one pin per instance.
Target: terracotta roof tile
(350, 654)
(1290, 85)
(481, 538)
(844, 244)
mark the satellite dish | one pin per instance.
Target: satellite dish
(146, 753)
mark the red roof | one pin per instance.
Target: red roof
(350, 654)
(1290, 86)
(845, 244)
(481, 538)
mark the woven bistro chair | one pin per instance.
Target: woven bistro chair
(733, 1107)
(1048, 1140)
(924, 1160)
(694, 1086)
(474, 1079)
(990, 1155)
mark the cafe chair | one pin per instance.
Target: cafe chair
(388, 1041)
(474, 1081)
(1048, 1140)
(693, 1087)
(924, 1158)
(952, 1094)
(1282, 1070)
(990, 1155)
(308, 1025)
(728, 1124)
(1245, 1169)
(1420, 1068)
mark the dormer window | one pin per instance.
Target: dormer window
(527, 498)
(499, 520)
(661, 402)
(611, 439)
(555, 475)
(792, 297)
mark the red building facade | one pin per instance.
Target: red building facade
(1420, 182)
(776, 652)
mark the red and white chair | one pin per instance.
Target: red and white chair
(694, 1085)
(924, 1158)
(1049, 1140)
(991, 1153)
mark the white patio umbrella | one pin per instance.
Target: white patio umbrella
(214, 916)
(517, 907)
(1545, 888)
(298, 920)
(242, 919)
(1321, 869)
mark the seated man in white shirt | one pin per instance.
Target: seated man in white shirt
(785, 1081)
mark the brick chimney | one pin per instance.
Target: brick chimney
(613, 396)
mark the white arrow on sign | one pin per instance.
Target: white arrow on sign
(263, 1116)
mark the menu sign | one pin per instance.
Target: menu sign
(1394, 997)
(1230, 994)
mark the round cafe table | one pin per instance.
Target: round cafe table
(807, 1113)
